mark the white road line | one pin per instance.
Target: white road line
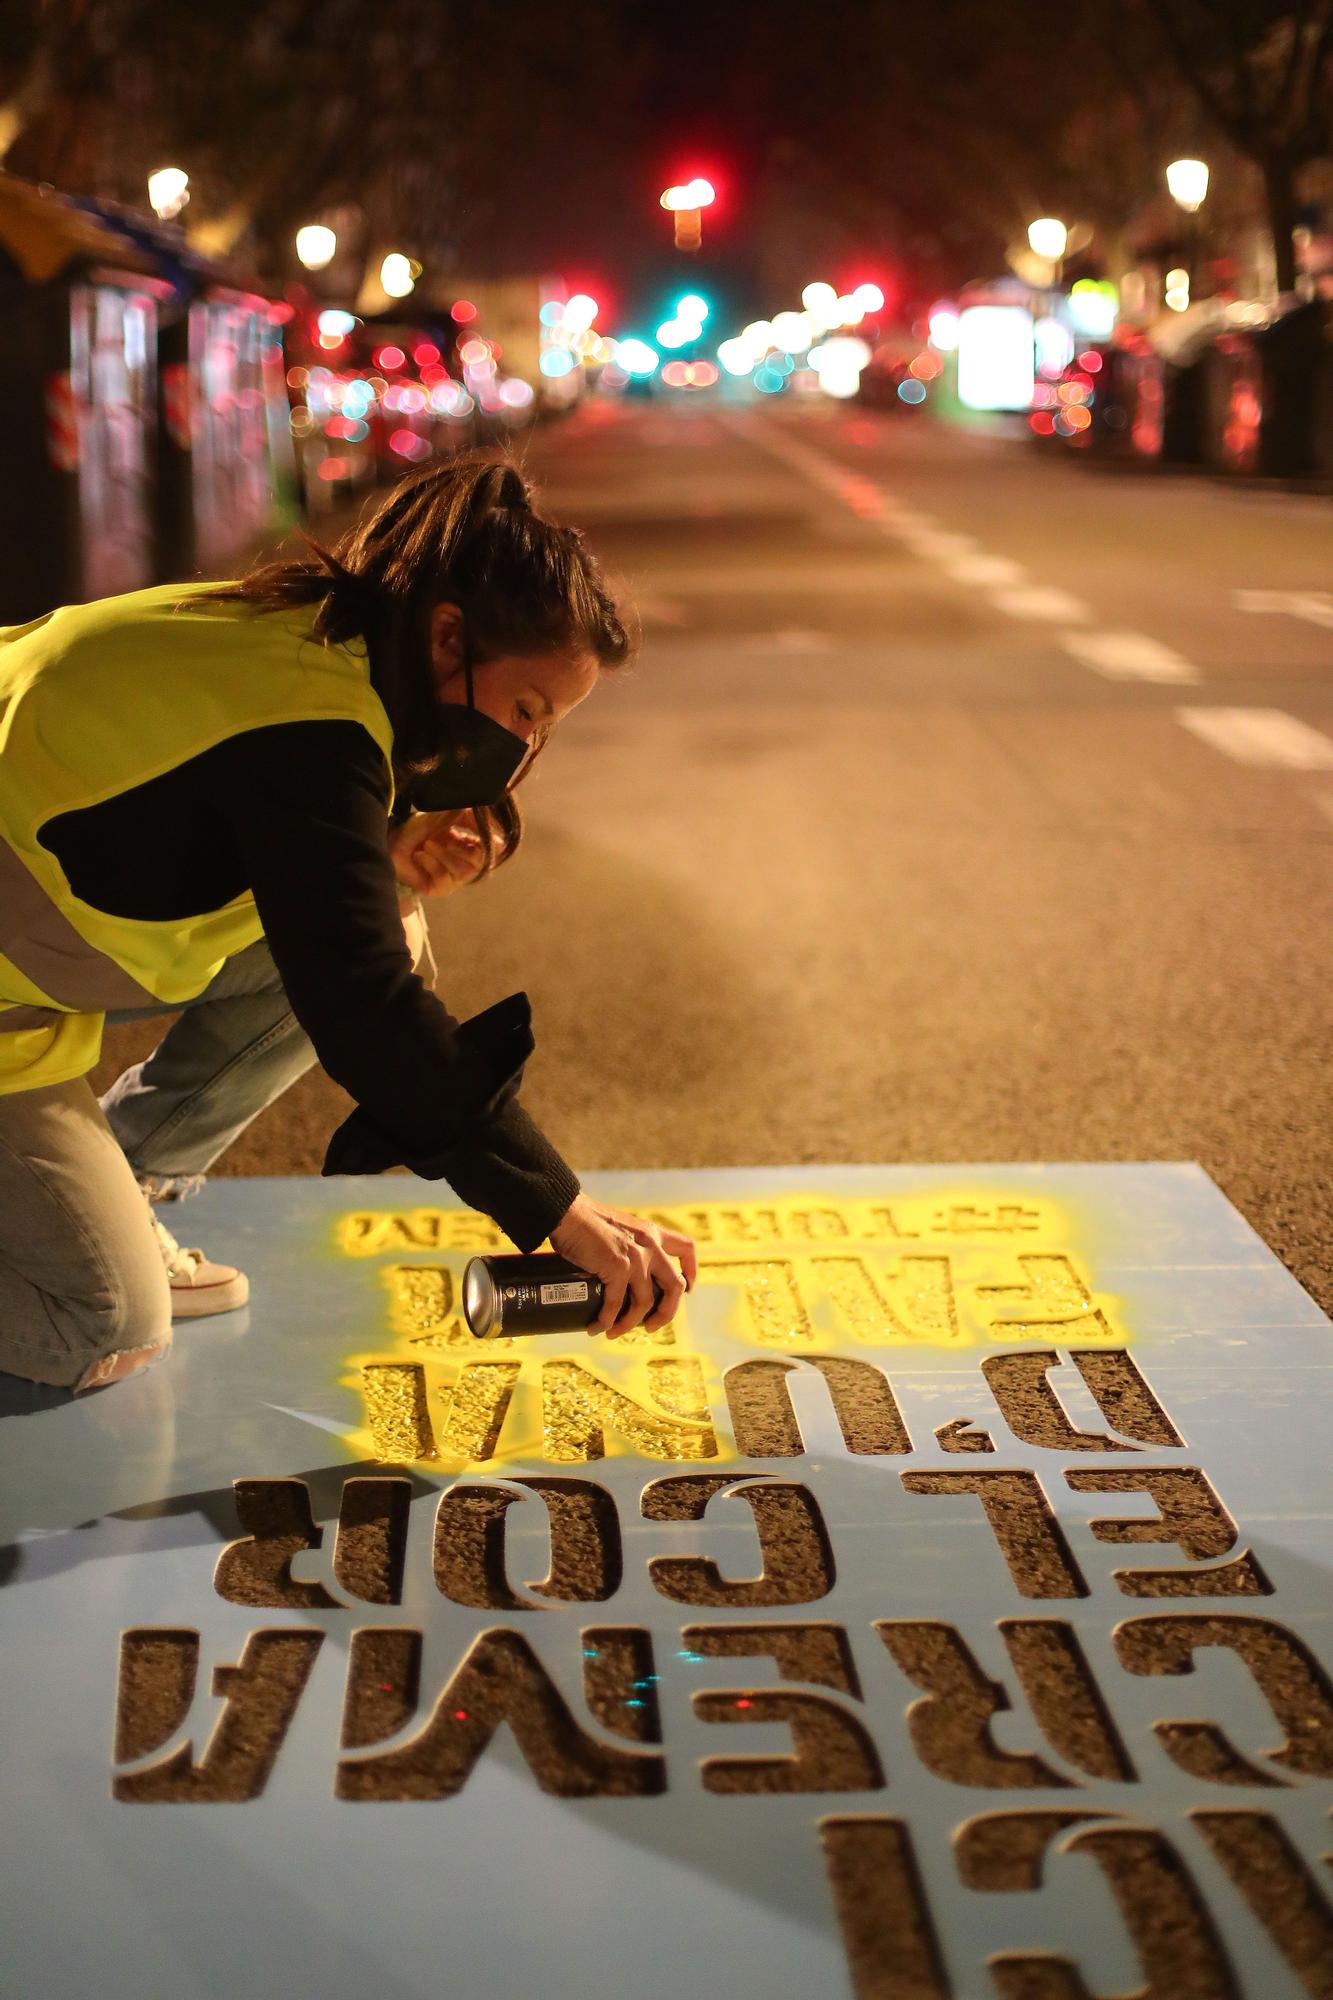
(1128, 656)
(985, 570)
(939, 545)
(1314, 605)
(1265, 736)
(1045, 601)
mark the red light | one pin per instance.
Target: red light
(676, 374)
(463, 311)
(426, 355)
(1042, 422)
(742, 1703)
(432, 373)
(390, 358)
(407, 444)
(333, 468)
(1091, 361)
(702, 374)
(460, 1715)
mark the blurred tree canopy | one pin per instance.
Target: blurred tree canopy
(522, 136)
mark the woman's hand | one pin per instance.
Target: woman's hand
(436, 853)
(629, 1256)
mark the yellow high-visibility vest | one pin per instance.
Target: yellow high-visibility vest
(94, 700)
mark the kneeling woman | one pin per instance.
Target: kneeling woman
(211, 798)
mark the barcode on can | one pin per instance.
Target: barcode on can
(564, 1295)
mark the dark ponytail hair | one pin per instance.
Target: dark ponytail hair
(464, 531)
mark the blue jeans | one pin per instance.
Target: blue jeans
(222, 1061)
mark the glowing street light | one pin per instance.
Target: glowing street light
(168, 192)
(1187, 183)
(686, 203)
(315, 246)
(1048, 237)
(397, 275)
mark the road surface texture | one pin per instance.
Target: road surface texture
(968, 802)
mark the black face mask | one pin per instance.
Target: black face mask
(477, 764)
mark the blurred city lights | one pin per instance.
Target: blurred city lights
(315, 246)
(168, 191)
(410, 445)
(426, 354)
(516, 394)
(692, 310)
(1054, 345)
(697, 193)
(1048, 237)
(1093, 305)
(819, 299)
(838, 364)
(869, 297)
(636, 357)
(995, 358)
(338, 323)
(674, 333)
(792, 332)
(1178, 290)
(580, 312)
(736, 355)
(849, 309)
(1187, 183)
(551, 313)
(390, 357)
(463, 311)
(557, 361)
(396, 275)
(769, 380)
(912, 391)
(759, 334)
(944, 329)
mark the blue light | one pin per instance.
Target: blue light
(557, 361)
(768, 380)
(912, 391)
(552, 313)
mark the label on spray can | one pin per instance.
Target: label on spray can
(563, 1295)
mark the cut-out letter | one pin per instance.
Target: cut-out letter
(796, 1559)
(1030, 1538)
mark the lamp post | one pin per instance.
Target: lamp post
(1187, 184)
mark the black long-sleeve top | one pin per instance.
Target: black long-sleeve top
(297, 813)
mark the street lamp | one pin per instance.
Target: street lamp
(168, 192)
(397, 275)
(315, 246)
(1047, 237)
(1187, 184)
(686, 203)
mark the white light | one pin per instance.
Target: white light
(1048, 237)
(995, 358)
(315, 246)
(1178, 291)
(792, 332)
(636, 357)
(737, 356)
(580, 313)
(333, 321)
(869, 297)
(674, 333)
(396, 275)
(759, 334)
(1187, 182)
(515, 393)
(699, 193)
(843, 355)
(1092, 309)
(944, 329)
(819, 298)
(168, 191)
(692, 310)
(1055, 346)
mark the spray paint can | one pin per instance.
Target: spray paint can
(503, 1296)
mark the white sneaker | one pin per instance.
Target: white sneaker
(197, 1286)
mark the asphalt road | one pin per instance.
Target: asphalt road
(905, 840)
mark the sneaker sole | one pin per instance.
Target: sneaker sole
(198, 1301)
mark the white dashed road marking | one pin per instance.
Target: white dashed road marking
(985, 570)
(1314, 605)
(1044, 601)
(1128, 656)
(1266, 736)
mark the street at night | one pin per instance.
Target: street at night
(666, 1160)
